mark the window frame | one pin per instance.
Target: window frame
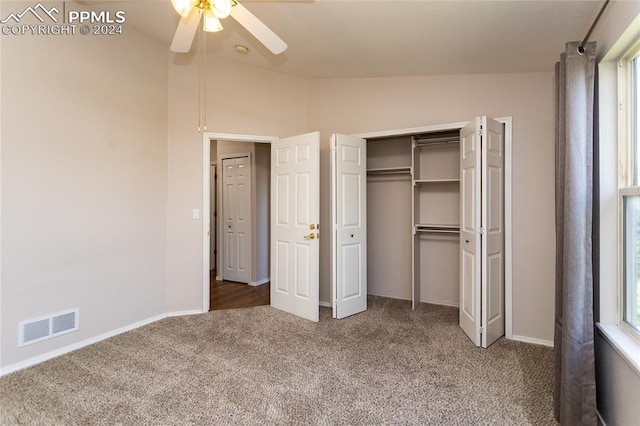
(628, 171)
(624, 265)
(609, 170)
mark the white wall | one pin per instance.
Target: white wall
(372, 104)
(84, 177)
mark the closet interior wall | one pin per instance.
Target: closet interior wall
(410, 185)
(389, 237)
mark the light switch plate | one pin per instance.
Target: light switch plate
(196, 214)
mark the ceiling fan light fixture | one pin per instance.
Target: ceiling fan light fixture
(211, 22)
(183, 7)
(221, 8)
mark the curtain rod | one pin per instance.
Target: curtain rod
(595, 21)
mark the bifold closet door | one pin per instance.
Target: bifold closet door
(349, 225)
(236, 206)
(482, 231)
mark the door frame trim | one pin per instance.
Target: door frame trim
(207, 137)
(508, 181)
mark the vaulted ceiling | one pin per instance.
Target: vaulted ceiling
(344, 39)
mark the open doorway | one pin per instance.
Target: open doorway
(239, 204)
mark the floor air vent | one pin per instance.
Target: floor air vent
(43, 328)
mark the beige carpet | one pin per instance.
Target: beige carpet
(389, 365)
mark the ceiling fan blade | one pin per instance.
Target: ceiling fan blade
(187, 28)
(258, 29)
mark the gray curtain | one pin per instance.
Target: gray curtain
(575, 387)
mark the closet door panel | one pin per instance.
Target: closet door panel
(349, 225)
(470, 257)
(352, 260)
(493, 220)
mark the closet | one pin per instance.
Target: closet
(435, 211)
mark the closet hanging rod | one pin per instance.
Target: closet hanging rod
(430, 142)
(390, 171)
(438, 229)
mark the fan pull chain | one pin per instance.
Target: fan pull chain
(199, 53)
(204, 38)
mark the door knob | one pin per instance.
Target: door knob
(311, 236)
(312, 226)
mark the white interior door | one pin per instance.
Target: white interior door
(236, 206)
(295, 215)
(493, 238)
(349, 223)
(482, 231)
(470, 241)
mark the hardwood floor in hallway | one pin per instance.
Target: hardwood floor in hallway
(230, 295)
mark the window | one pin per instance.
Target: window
(629, 176)
(619, 195)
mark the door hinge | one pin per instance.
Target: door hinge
(481, 231)
(481, 330)
(481, 132)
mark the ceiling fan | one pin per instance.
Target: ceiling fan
(213, 11)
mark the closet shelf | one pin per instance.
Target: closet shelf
(405, 170)
(437, 229)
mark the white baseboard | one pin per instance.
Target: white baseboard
(75, 346)
(182, 313)
(218, 278)
(533, 340)
(441, 302)
(325, 304)
(601, 421)
(259, 282)
(388, 296)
